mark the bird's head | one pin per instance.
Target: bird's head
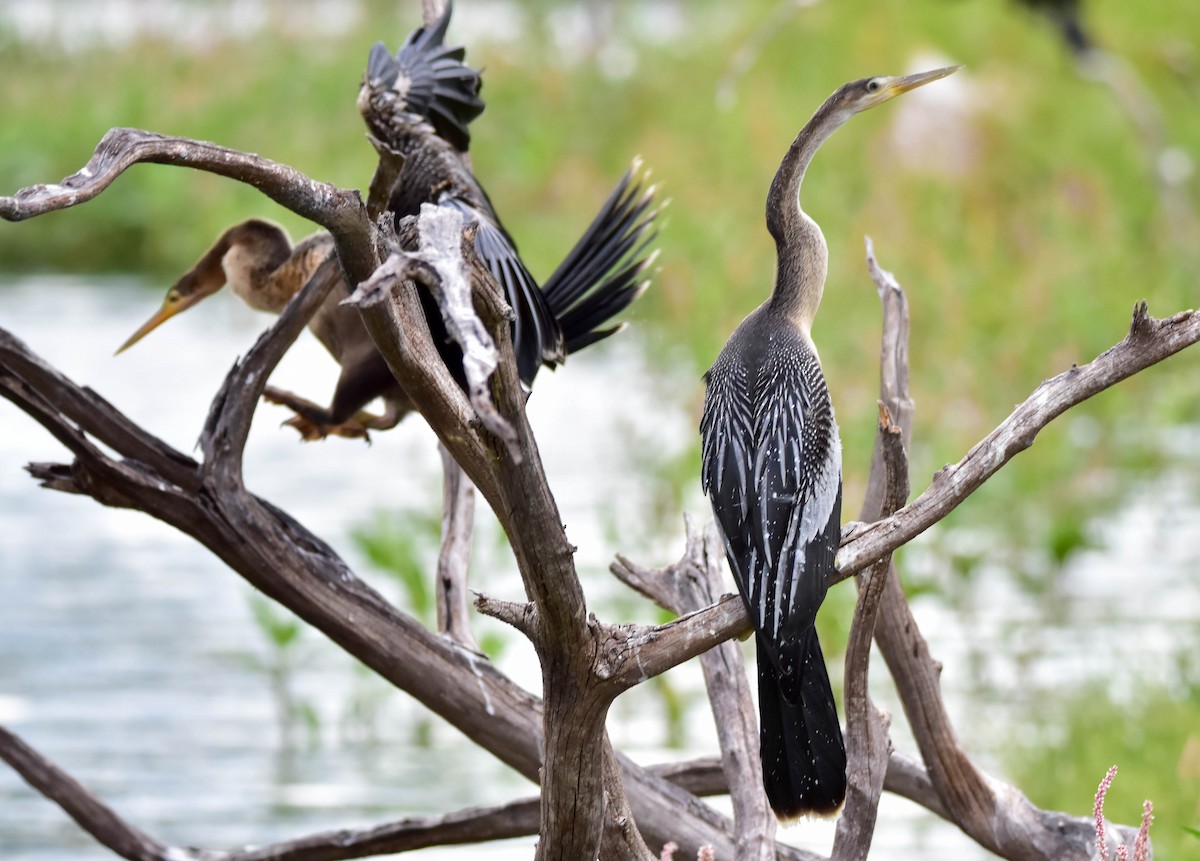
(184, 293)
(252, 246)
(858, 96)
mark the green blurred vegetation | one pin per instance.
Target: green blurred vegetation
(1027, 260)
(1154, 739)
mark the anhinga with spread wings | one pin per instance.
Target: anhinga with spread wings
(419, 102)
(772, 467)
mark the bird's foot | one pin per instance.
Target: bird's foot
(311, 420)
(311, 431)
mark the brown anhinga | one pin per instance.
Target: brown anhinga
(419, 103)
(772, 467)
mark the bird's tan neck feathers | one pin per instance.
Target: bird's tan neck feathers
(802, 258)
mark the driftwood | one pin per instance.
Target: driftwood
(593, 800)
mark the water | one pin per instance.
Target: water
(130, 657)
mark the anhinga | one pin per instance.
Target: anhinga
(257, 260)
(419, 103)
(772, 469)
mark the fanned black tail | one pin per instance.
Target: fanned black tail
(430, 80)
(602, 274)
(803, 755)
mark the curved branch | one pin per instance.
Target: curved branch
(290, 564)
(92, 814)
(689, 585)
(122, 148)
(1149, 341)
(474, 825)
(340, 211)
(228, 425)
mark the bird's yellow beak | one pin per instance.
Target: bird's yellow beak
(175, 303)
(904, 83)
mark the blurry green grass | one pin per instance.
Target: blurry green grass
(1029, 262)
(1073, 735)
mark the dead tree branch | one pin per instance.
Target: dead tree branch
(340, 211)
(997, 816)
(1149, 341)
(292, 565)
(867, 743)
(454, 557)
(492, 441)
(688, 585)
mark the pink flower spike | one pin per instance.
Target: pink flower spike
(668, 851)
(706, 853)
(1098, 812)
(1141, 846)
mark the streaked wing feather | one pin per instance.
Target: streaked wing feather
(772, 468)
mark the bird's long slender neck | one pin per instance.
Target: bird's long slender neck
(802, 257)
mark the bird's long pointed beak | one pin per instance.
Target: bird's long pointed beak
(904, 83)
(171, 306)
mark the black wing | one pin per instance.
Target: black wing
(430, 80)
(772, 469)
(537, 338)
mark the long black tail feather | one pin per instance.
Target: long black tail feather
(603, 273)
(803, 755)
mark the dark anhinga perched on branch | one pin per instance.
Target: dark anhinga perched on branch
(772, 468)
(418, 103)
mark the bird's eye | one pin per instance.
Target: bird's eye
(873, 85)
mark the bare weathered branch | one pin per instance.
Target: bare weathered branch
(92, 814)
(454, 556)
(292, 565)
(500, 457)
(997, 816)
(689, 585)
(1149, 341)
(120, 149)
(893, 374)
(341, 211)
(867, 743)
(476, 825)
(229, 417)
(908, 778)
(521, 615)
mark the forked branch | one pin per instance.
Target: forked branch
(1149, 341)
(340, 211)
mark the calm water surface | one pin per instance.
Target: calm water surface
(130, 656)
